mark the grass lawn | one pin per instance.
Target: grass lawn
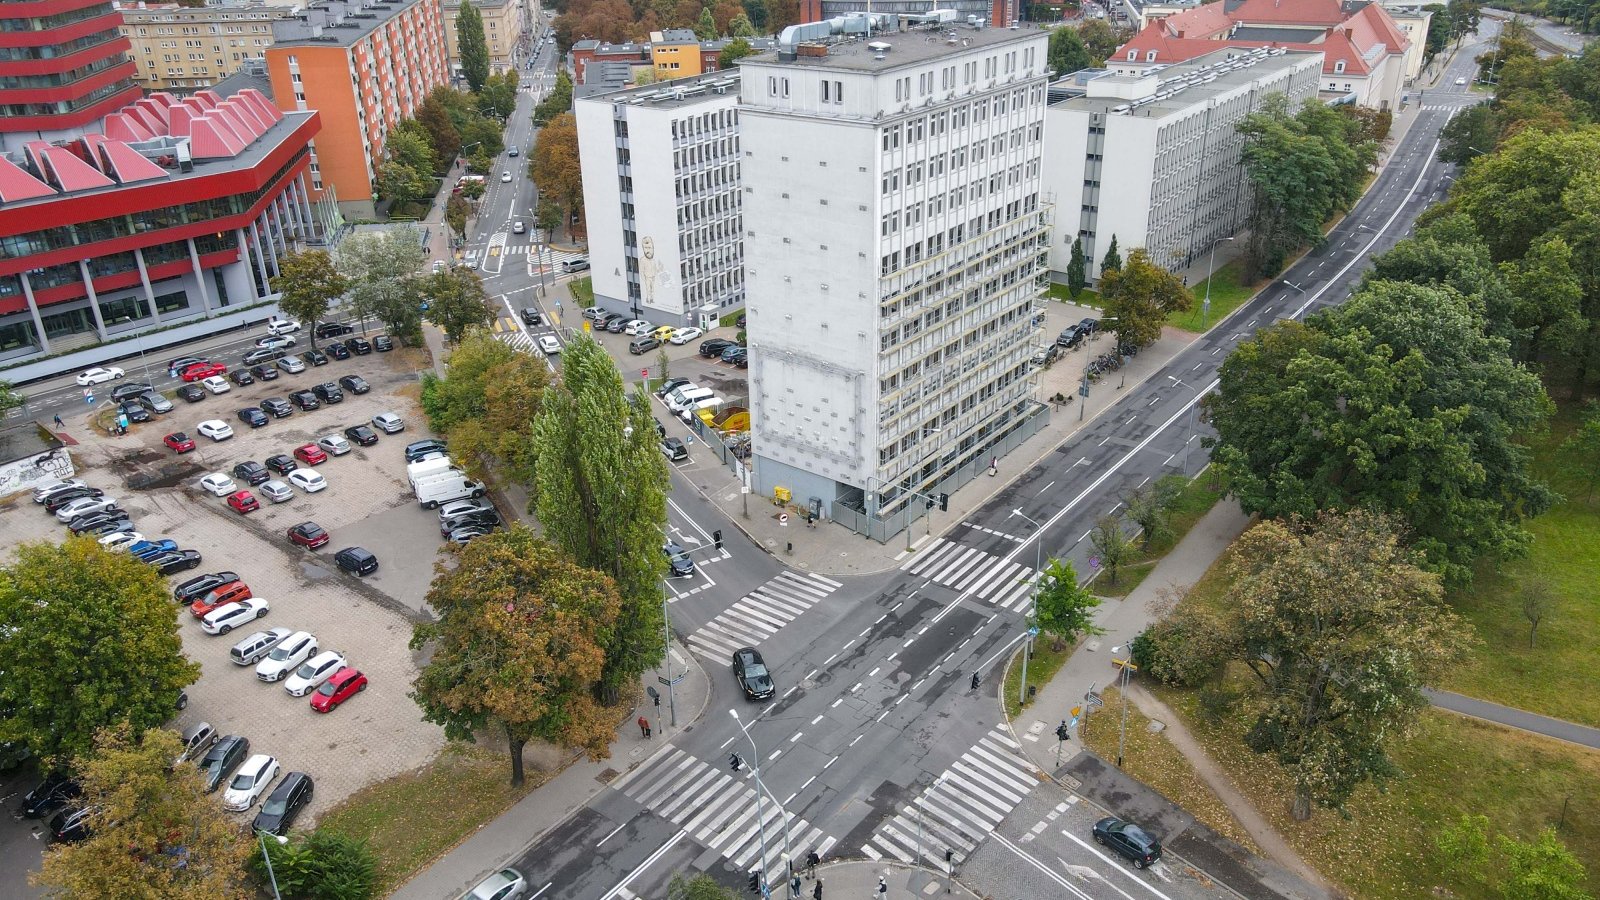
(582, 291)
(1227, 293)
(1198, 496)
(1043, 664)
(1086, 297)
(405, 820)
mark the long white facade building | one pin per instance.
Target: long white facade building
(894, 246)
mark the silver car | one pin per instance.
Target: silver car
(276, 491)
(388, 423)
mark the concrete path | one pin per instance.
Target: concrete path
(1511, 717)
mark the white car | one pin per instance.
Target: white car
(218, 483)
(216, 429)
(334, 444)
(307, 480)
(389, 423)
(275, 342)
(224, 619)
(98, 376)
(216, 384)
(549, 344)
(1461, 81)
(277, 327)
(313, 672)
(638, 328)
(276, 491)
(44, 492)
(83, 506)
(287, 656)
(505, 177)
(120, 539)
(250, 782)
(684, 335)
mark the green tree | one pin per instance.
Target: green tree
(462, 395)
(736, 49)
(1473, 132)
(556, 103)
(1066, 608)
(9, 398)
(1112, 261)
(324, 865)
(555, 167)
(1111, 544)
(1541, 869)
(1150, 506)
(307, 283)
(456, 301)
(487, 403)
(485, 136)
(1536, 599)
(443, 135)
(518, 646)
(473, 47)
(1582, 447)
(380, 272)
(497, 99)
(1067, 52)
(706, 28)
(1186, 647)
(1342, 629)
(408, 164)
(456, 210)
(697, 887)
(1140, 296)
(601, 496)
(1100, 38)
(1438, 33)
(740, 26)
(757, 11)
(156, 834)
(1464, 847)
(1077, 270)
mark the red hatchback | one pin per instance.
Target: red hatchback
(344, 684)
(243, 502)
(204, 370)
(309, 535)
(311, 455)
(178, 442)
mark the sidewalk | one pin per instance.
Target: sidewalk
(859, 881)
(509, 836)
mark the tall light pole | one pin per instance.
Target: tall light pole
(1190, 437)
(1033, 614)
(1122, 689)
(1211, 271)
(936, 782)
(761, 811)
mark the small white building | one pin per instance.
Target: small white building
(1154, 158)
(661, 198)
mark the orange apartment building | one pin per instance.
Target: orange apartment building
(364, 65)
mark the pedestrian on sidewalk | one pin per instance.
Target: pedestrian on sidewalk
(994, 466)
(883, 886)
(59, 423)
(816, 892)
(644, 727)
(974, 680)
(811, 865)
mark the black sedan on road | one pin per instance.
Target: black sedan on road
(1128, 840)
(751, 671)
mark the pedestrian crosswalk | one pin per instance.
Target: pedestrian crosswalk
(961, 807)
(719, 810)
(759, 614)
(989, 578)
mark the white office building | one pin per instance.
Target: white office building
(1154, 159)
(895, 240)
(661, 196)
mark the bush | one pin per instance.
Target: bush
(327, 865)
(1182, 649)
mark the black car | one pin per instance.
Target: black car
(673, 449)
(337, 350)
(418, 449)
(678, 560)
(102, 523)
(223, 757)
(751, 671)
(532, 317)
(486, 518)
(253, 417)
(465, 533)
(358, 346)
(277, 407)
(62, 499)
(282, 463)
(53, 793)
(131, 390)
(1129, 840)
(334, 329)
(670, 385)
(1046, 355)
(262, 356)
(314, 358)
(362, 435)
(72, 825)
(355, 384)
(174, 561)
(328, 392)
(201, 585)
(265, 373)
(1070, 337)
(283, 804)
(382, 343)
(738, 356)
(712, 348)
(241, 377)
(133, 411)
(251, 472)
(356, 560)
(193, 393)
(305, 400)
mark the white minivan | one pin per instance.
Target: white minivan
(445, 488)
(687, 396)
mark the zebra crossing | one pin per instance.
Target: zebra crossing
(991, 579)
(961, 807)
(759, 614)
(720, 811)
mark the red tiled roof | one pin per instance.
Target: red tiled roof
(1208, 20)
(1288, 12)
(1196, 32)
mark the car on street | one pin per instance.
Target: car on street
(355, 384)
(226, 619)
(513, 151)
(133, 412)
(276, 491)
(217, 384)
(382, 343)
(305, 400)
(275, 342)
(292, 365)
(684, 335)
(678, 560)
(357, 561)
(388, 423)
(333, 445)
(250, 782)
(287, 656)
(178, 442)
(750, 670)
(1128, 841)
(419, 450)
(262, 356)
(53, 793)
(310, 454)
(154, 402)
(576, 264)
(549, 345)
(253, 417)
(309, 535)
(201, 371)
(276, 326)
(193, 393)
(532, 317)
(517, 227)
(243, 502)
(218, 483)
(638, 328)
(282, 463)
(183, 362)
(223, 757)
(265, 372)
(251, 472)
(90, 377)
(362, 435)
(175, 561)
(277, 407)
(201, 585)
(505, 177)
(84, 506)
(673, 449)
(1460, 82)
(215, 429)
(281, 807)
(130, 390)
(328, 392)
(313, 672)
(308, 480)
(241, 377)
(506, 884)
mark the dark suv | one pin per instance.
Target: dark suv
(1129, 840)
(252, 472)
(305, 400)
(334, 329)
(712, 347)
(337, 350)
(277, 407)
(356, 560)
(328, 392)
(223, 757)
(751, 671)
(314, 358)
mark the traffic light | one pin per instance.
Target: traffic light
(949, 855)
(716, 538)
(1062, 734)
(944, 503)
(755, 881)
(932, 502)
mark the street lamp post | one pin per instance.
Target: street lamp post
(1033, 614)
(1211, 271)
(920, 800)
(1127, 670)
(1190, 436)
(261, 836)
(761, 811)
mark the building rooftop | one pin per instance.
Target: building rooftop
(678, 92)
(26, 439)
(1180, 87)
(252, 74)
(140, 13)
(887, 50)
(337, 23)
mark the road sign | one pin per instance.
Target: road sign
(1034, 631)
(664, 679)
(644, 373)
(1094, 701)
(586, 325)
(1094, 562)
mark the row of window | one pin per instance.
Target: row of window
(993, 66)
(63, 107)
(52, 51)
(58, 79)
(912, 173)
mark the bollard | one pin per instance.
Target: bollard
(789, 548)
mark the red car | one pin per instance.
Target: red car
(203, 370)
(178, 442)
(344, 684)
(243, 502)
(309, 535)
(311, 455)
(219, 596)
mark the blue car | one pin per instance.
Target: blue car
(151, 549)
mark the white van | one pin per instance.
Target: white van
(432, 466)
(687, 414)
(687, 396)
(444, 489)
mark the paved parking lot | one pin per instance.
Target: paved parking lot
(368, 502)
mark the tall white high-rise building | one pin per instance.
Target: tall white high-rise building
(895, 244)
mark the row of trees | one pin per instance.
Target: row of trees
(1084, 46)
(425, 147)
(556, 169)
(617, 21)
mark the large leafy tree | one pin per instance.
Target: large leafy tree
(487, 403)
(456, 301)
(156, 834)
(307, 283)
(1100, 38)
(88, 641)
(1067, 52)
(602, 497)
(1140, 295)
(472, 45)
(324, 865)
(406, 173)
(1540, 869)
(443, 134)
(498, 96)
(737, 49)
(1342, 628)
(705, 28)
(555, 166)
(518, 646)
(381, 270)
(555, 103)
(1066, 608)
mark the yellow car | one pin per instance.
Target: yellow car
(664, 332)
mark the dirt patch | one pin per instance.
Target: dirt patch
(148, 469)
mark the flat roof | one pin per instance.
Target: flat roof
(675, 93)
(1190, 83)
(24, 440)
(336, 24)
(906, 48)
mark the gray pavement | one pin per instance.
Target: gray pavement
(1511, 717)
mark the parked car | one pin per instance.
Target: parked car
(310, 454)
(277, 407)
(217, 384)
(358, 346)
(109, 522)
(486, 519)
(250, 782)
(638, 328)
(201, 585)
(91, 377)
(287, 656)
(253, 648)
(309, 535)
(154, 402)
(306, 400)
(178, 442)
(616, 325)
(265, 373)
(242, 377)
(462, 507)
(231, 592)
(262, 355)
(314, 358)
(175, 561)
(84, 506)
(711, 348)
(72, 825)
(281, 807)
(313, 672)
(201, 371)
(44, 492)
(334, 445)
(1128, 840)
(355, 384)
(463, 534)
(133, 412)
(68, 497)
(120, 539)
(673, 449)
(292, 365)
(282, 463)
(223, 757)
(1046, 355)
(216, 429)
(54, 792)
(506, 884)
(328, 392)
(382, 343)
(337, 350)
(233, 615)
(307, 480)
(276, 491)
(362, 435)
(750, 670)
(243, 502)
(147, 549)
(388, 423)
(197, 739)
(192, 393)
(253, 417)
(684, 335)
(251, 472)
(357, 561)
(418, 450)
(218, 483)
